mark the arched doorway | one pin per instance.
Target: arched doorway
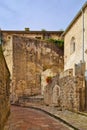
(56, 95)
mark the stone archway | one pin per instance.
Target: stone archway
(56, 95)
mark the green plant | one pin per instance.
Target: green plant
(58, 43)
(43, 30)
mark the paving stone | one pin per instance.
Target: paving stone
(29, 119)
(77, 120)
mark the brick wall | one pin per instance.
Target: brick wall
(4, 90)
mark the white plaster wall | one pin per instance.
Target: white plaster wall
(75, 31)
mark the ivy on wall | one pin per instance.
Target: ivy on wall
(58, 43)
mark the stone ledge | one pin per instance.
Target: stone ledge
(66, 73)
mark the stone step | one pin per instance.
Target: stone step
(31, 99)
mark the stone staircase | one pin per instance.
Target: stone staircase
(38, 99)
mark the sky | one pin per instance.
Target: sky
(51, 15)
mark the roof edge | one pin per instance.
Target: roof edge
(74, 19)
(23, 31)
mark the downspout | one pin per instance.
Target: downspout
(0, 37)
(82, 36)
(83, 103)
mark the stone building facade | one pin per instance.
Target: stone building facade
(72, 82)
(75, 40)
(4, 90)
(66, 92)
(44, 75)
(27, 58)
(41, 35)
(52, 92)
(72, 92)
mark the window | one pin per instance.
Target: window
(38, 37)
(72, 45)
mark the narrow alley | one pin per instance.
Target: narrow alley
(29, 119)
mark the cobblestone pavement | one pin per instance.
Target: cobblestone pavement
(77, 120)
(30, 119)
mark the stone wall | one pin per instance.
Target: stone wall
(66, 92)
(33, 34)
(68, 72)
(44, 75)
(52, 92)
(30, 58)
(8, 51)
(72, 93)
(73, 89)
(4, 90)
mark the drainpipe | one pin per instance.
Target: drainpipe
(82, 35)
(0, 36)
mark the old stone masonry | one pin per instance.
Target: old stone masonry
(47, 69)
